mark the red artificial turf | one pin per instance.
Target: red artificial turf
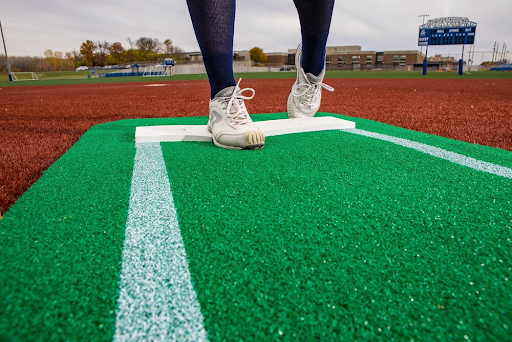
(40, 123)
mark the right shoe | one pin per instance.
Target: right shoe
(306, 94)
(230, 123)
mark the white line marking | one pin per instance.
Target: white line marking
(157, 301)
(439, 153)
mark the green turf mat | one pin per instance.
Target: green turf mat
(319, 236)
(61, 243)
(480, 152)
(332, 236)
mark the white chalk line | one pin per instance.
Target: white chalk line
(157, 301)
(453, 157)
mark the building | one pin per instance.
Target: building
(277, 58)
(444, 62)
(354, 58)
(195, 56)
(340, 58)
(439, 63)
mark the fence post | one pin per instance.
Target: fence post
(6, 57)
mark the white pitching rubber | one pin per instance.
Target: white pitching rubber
(169, 133)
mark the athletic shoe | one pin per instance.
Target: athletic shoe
(230, 124)
(306, 94)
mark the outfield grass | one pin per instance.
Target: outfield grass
(71, 77)
(387, 74)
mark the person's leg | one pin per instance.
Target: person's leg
(229, 122)
(214, 25)
(315, 21)
(306, 94)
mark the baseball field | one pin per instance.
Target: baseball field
(397, 230)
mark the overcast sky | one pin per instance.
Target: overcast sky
(32, 26)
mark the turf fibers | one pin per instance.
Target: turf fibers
(319, 236)
(60, 78)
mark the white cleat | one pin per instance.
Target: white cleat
(230, 123)
(306, 94)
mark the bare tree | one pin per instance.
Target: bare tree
(101, 52)
(148, 44)
(3, 68)
(53, 61)
(168, 47)
(130, 42)
(171, 49)
(74, 56)
(27, 64)
(129, 53)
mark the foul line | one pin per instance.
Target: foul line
(439, 153)
(156, 300)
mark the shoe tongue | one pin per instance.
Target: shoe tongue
(313, 79)
(226, 92)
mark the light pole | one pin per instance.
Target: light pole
(6, 57)
(423, 15)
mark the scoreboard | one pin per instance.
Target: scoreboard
(447, 31)
(447, 36)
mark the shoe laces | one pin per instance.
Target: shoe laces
(308, 91)
(235, 106)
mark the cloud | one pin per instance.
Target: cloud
(32, 26)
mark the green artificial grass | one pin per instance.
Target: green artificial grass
(78, 80)
(61, 244)
(480, 152)
(331, 236)
(55, 79)
(319, 236)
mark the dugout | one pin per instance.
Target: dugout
(431, 66)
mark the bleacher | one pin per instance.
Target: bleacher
(502, 67)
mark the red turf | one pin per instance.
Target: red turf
(39, 123)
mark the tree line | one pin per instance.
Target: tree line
(99, 53)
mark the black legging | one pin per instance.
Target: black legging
(214, 23)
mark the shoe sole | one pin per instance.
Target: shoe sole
(255, 140)
(289, 107)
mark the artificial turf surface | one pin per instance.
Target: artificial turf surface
(319, 236)
(63, 77)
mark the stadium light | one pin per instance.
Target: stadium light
(6, 57)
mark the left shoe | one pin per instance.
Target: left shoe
(306, 94)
